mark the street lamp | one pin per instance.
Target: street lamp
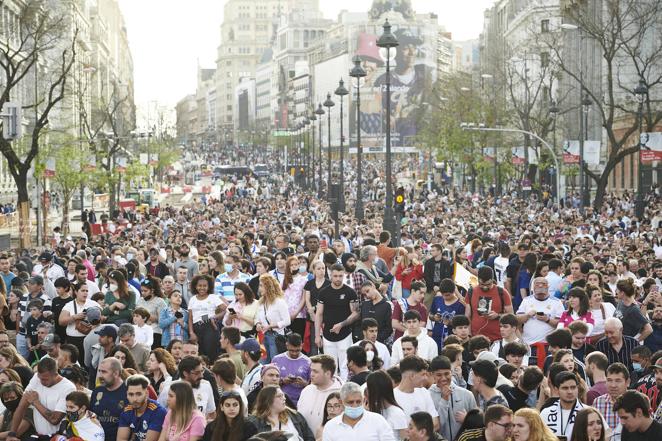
(341, 91)
(584, 190)
(319, 112)
(328, 104)
(358, 72)
(640, 92)
(310, 171)
(388, 41)
(304, 142)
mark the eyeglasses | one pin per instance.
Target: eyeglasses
(508, 426)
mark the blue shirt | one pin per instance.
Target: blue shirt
(224, 285)
(440, 330)
(151, 419)
(8, 279)
(108, 405)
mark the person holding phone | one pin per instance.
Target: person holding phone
(204, 310)
(539, 313)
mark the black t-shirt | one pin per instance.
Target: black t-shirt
(56, 307)
(311, 286)
(380, 312)
(632, 318)
(336, 309)
(513, 269)
(516, 398)
(360, 378)
(654, 432)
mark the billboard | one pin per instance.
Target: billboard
(519, 156)
(413, 69)
(591, 152)
(651, 147)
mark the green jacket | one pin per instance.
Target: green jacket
(123, 316)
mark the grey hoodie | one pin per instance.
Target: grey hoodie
(460, 399)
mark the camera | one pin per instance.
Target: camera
(179, 315)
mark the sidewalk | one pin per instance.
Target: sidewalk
(75, 227)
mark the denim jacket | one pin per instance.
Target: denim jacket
(167, 318)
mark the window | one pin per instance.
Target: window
(544, 59)
(544, 26)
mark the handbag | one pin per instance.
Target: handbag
(82, 326)
(280, 339)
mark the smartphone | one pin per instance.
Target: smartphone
(205, 318)
(231, 310)
(324, 244)
(540, 313)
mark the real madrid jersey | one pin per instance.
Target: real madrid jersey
(151, 419)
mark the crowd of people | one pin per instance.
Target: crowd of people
(245, 318)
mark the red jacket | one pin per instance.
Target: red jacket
(416, 273)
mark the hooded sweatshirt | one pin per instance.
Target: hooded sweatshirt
(460, 399)
(312, 400)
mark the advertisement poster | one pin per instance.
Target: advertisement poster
(519, 157)
(651, 147)
(591, 152)
(413, 71)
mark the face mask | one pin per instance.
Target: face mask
(129, 256)
(370, 355)
(303, 269)
(73, 416)
(353, 412)
(112, 287)
(636, 366)
(228, 267)
(12, 404)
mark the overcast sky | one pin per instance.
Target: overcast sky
(168, 37)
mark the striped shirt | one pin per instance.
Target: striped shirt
(605, 406)
(623, 356)
(224, 285)
(23, 308)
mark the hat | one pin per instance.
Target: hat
(658, 364)
(346, 256)
(93, 314)
(405, 36)
(46, 256)
(489, 356)
(36, 280)
(368, 49)
(50, 340)
(249, 345)
(107, 331)
(267, 367)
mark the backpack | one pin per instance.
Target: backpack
(501, 296)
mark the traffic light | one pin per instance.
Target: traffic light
(400, 200)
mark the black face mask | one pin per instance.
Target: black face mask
(73, 416)
(12, 404)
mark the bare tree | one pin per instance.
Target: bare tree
(42, 37)
(629, 37)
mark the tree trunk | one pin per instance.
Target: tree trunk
(24, 227)
(64, 225)
(601, 190)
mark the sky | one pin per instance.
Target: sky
(168, 38)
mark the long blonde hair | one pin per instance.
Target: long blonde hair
(185, 405)
(271, 289)
(537, 430)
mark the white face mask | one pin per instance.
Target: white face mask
(112, 287)
(370, 355)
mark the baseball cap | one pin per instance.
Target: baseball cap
(45, 256)
(93, 314)
(36, 280)
(489, 356)
(658, 364)
(107, 331)
(249, 345)
(50, 340)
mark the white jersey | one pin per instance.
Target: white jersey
(500, 265)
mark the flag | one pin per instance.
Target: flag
(463, 278)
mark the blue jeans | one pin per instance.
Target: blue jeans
(270, 345)
(22, 345)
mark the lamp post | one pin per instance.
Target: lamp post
(554, 113)
(585, 193)
(640, 92)
(310, 171)
(304, 142)
(328, 104)
(388, 41)
(341, 91)
(319, 112)
(358, 72)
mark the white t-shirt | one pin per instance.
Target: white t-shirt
(203, 394)
(144, 335)
(500, 266)
(417, 401)
(52, 398)
(396, 418)
(71, 327)
(599, 320)
(200, 308)
(536, 330)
